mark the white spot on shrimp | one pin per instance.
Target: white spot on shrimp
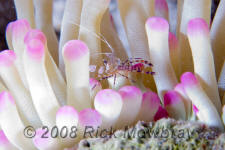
(101, 70)
(92, 68)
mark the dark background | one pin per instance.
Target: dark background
(7, 14)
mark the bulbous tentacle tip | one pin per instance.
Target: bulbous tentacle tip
(75, 49)
(7, 58)
(197, 27)
(157, 24)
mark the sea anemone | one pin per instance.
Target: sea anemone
(99, 77)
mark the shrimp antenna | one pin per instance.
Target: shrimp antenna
(100, 36)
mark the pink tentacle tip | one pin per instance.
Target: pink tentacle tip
(157, 24)
(173, 41)
(68, 111)
(35, 34)
(90, 117)
(35, 49)
(3, 138)
(153, 98)
(7, 58)
(188, 79)
(161, 113)
(197, 26)
(171, 98)
(130, 92)
(75, 49)
(5, 99)
(161, 5)
(39, 141)
(107, 97)
(20, 27)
